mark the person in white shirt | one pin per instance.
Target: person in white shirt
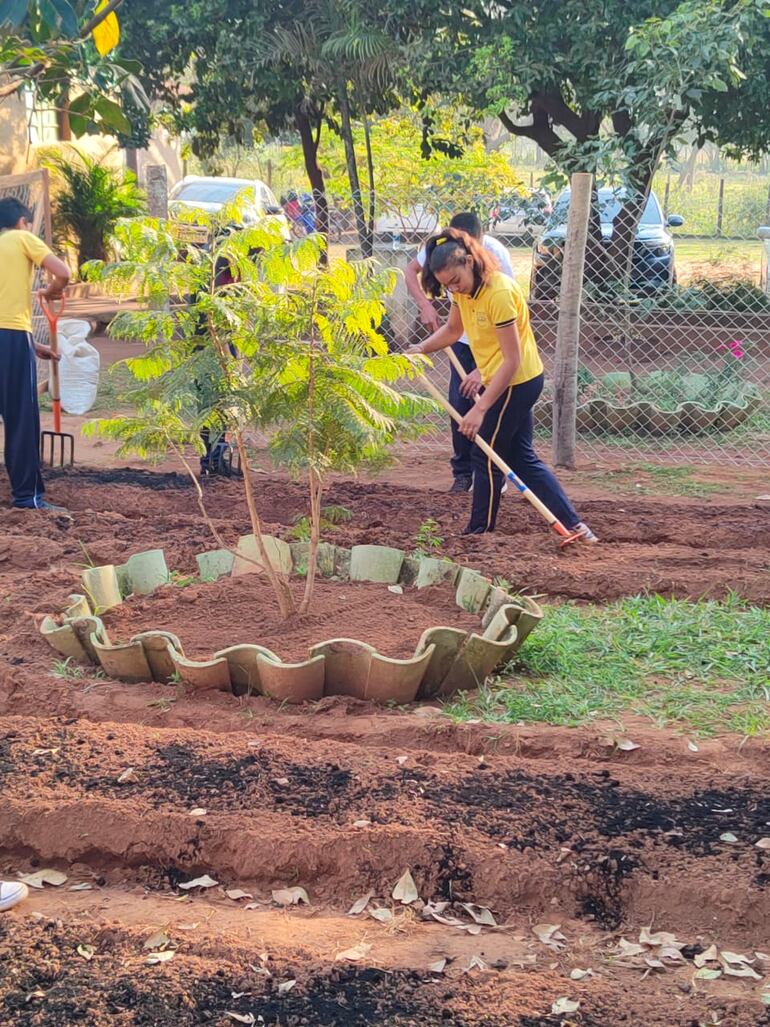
(461, 394)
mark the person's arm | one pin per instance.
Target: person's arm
(428, 313)
(510, 347)
(60, 276)
(446, 336)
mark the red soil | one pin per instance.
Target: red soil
(551, 826)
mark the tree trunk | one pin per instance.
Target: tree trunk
(364, 239)
(313, 170)
(370, 170)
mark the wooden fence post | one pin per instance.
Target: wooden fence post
(156, 179)
(568, 328)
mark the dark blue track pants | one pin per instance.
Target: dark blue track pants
(21, 416)
(461, 446)
(508, 428)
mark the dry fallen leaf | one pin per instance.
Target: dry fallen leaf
(360, 904)
(187, 927)
(381, 914)
(356, 952)
(35, 994)
(159, 940)
(707, 974)
(476, 963)
(361, 823)
(728, 836)
(198, 812)
(708, 956)
(480, 914)
(86, 951)
(657, 938)
(625, 745)
(281, 781)
(41, 877)
(692, 746)
(564, 1005)
(159, 957)
(763, 843)
(629, 948)
(199, 882)
(285, 987)
(236, 893)
(401, 760)
(577, 974)
(437, 967)
(127, 777)
(290, 896)
(251, 905)
(405, 890)
(248, 1018)
(83, 886)
(549, 934)
(742, 971)
(733, 957)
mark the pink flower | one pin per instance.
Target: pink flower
(736, 349)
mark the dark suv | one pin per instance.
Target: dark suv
(653, 259)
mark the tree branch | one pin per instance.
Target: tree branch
(34, 70)
(540, 131)
(97, 19)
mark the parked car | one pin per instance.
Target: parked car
(653, 265)
(212, 194)
(413, 224)
(521, 216)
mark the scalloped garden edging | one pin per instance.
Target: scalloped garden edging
(689, 418)
(446, 659)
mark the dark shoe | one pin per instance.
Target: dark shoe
(473, 531)
(462, 483)
(43, 504)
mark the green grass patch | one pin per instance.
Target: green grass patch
(703, 666)
(644, 479)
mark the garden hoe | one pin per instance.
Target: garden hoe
(56, 442)
(566, 536)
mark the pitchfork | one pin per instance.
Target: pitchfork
(56, 439)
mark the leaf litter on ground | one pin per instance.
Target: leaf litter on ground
(199, 882)
(43, 877)
(405, 890)
(290, 896)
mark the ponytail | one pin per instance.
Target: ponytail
(449, 249)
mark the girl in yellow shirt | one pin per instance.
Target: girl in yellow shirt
(491, 309)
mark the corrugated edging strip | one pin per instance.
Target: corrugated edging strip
(446, 659)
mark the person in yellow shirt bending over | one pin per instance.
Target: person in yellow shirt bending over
(492, 311)
(20, 253)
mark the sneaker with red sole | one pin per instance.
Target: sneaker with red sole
(584, 534)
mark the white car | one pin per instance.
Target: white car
(212, 194)
(410, 225)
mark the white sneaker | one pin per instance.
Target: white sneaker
(504, 489)
(11, 893)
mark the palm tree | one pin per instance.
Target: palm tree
(341, 53)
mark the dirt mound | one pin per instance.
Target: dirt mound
(234, 611)
(549, 826)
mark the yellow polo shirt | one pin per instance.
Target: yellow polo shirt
(20, 253)
(498, 303)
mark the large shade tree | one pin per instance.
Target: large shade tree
(64, 49)
(606, 88)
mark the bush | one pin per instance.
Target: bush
(92, 196)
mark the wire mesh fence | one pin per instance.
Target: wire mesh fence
(674, 349)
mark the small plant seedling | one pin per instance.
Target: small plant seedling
(182, 580)
(331, 516)
(68, 669)
(427, 540)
